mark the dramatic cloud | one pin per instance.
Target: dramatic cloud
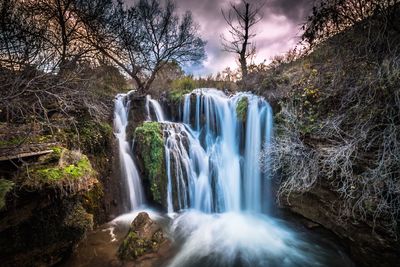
(276, 33)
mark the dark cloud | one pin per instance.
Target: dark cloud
(295, 10)
(276, 33)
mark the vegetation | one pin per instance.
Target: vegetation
(145, 37)
(181, 87)
(149, 137)
(65, 169)
(5, 187)
(145, 236)
(332, 17)
(339, 124)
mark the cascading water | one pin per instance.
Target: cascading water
(214, 177)
(215, 169)
(127, 166)
(214, 181)
(156, 107)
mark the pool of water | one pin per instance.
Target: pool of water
(214, 240)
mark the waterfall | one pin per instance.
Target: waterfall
(156, 108)
(212, 158)
(127, 166)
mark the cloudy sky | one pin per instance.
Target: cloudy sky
(277, 32)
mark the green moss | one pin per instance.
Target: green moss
(57, 150)
(150, 139)
(241, 108)
(94, 136)
(80, 168)
(5, 187)
(155, 191)
(134, 246)
(77, 218)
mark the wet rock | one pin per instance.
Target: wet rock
(145, 243)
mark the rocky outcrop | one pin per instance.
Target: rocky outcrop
(44, 215)
(368, 245)
(150, 155)
(151, 140)
(145, 243)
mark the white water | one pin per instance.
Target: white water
(156, 107)
(215, 168)
(127, 166)
(216, 186)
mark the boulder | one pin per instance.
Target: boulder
(145, 243)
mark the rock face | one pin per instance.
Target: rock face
(145, 243)
(368, 246)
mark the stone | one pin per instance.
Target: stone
(145, 243)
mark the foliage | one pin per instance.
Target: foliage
(78, 219)
(170, 72)
(94, 136)
(181, 87)
(145, 236)
(5, 187)
(73, 171)
(11, 142)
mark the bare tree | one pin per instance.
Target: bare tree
(241, 21)
(143, 38)
(18, 45)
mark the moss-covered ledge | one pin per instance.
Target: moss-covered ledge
(63, 169)
(149, 148)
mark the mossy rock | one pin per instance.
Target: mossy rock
(61, 168)
(79, 220)
(149, 139)
(5, 187)
(241, 109)
(145, 236)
